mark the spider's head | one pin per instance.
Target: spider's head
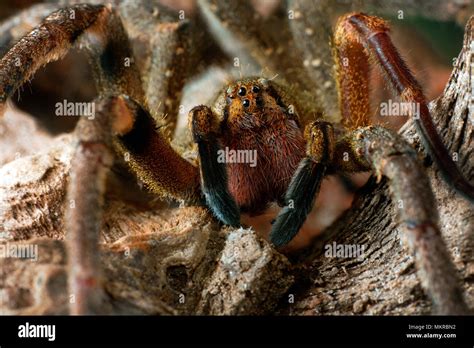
(251, 103)
(246, 96)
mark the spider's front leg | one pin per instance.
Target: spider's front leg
(305, 184)
(204, 127)
(387, 154)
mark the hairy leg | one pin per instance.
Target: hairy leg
(305, 184)
(358, 36)
(14, 28)
(92, 160)
(352, 78)
(150, 156)
(204, 126)
(52, 39)
(387, 154)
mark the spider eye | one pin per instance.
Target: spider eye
(242, 91)
(255, 89)
(246, 103)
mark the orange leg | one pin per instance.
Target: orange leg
(356, 37)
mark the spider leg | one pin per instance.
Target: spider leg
(92, 160)
(387, 154)
(356, 36)
(305, 184)
(204, 126)
(54, 36)
(352, 78)
(171, 53)
(152, 159)
(14, 28)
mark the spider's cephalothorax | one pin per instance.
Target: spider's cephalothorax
(264, 137)
(280, 162)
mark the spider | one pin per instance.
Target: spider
(295, 145)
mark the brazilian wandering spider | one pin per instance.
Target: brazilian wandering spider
(295, 145)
